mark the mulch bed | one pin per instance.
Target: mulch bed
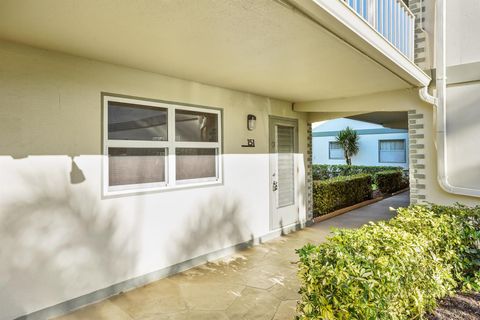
(461, 306)
(376, 194)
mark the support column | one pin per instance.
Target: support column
(420, 51)
(416, 137)
(308, 173)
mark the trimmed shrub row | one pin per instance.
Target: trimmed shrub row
(391, 270)
(327, 171)
(390, 181)
(340, 192)
(343, 191)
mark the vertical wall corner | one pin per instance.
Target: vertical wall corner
(420, 48)
(416, 154)
(309, 172)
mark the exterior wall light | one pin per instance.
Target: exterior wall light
(251, 122)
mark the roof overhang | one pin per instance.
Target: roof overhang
(392, 119)
(346, 24)
(373, 104)
(295, 51)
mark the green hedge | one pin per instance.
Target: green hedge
(332, 194)
(391, 270)
(390, 181)
(326, 171)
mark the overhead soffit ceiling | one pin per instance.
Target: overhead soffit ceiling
(257, 46)
(397, 119)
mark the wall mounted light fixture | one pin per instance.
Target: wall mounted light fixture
(251, 122)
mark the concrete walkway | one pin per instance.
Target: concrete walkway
(258, 283)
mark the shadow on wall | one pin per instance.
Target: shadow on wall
(218, 223)
(53, 232)
(50, 237)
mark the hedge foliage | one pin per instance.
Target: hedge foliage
(327, 171)
(390, 181)
(340, 192)
(391, 270)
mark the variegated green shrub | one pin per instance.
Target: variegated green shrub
(391, 270)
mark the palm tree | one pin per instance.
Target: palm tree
(348, 140)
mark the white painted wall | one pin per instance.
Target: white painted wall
(463, 91)
(368, 154)
(463, 130)
(463, 99)
(60, 240)
(463, 28)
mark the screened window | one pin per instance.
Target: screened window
(127, 121)
(136, 165)
(392, 151)
(335, 150)
(196, 126)
(152, 145)
(195, 163)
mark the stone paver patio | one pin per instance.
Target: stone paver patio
(257, 283)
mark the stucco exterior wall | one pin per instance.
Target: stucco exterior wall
(369, 133)
(463, 25)
(463, 130)
(463, 43)
(367, 155)
(427, 157)
(463, 81)
(424, 32)
(423, 159)
(59, 238)
(463, 93)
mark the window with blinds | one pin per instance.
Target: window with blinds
(392, 151)
(286, 165)
(152, 145)
(335, 150)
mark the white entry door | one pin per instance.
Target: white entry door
(283, 172)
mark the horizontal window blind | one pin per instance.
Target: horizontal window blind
(392, 151)
(335, 150)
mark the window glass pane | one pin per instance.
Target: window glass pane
(335, 150)
(195, 163)
(128, 121)
(196, 126)
(392, 151)
(392, 145)
(136, 165)
(335, 145)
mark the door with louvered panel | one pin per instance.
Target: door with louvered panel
(283, 172)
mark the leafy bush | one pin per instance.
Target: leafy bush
(468, 271)
(391, 270)
(389, 181)
(340, 192)
(327, 171)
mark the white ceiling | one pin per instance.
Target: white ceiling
(258, 46)
(393, 119)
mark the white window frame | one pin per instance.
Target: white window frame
(170, 147)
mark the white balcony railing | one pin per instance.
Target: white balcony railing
(392, 18)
